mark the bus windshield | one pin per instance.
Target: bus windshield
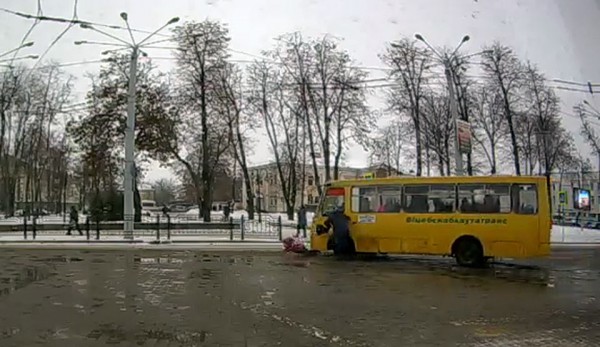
(331, 201)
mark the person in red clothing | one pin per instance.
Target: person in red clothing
(294, 245)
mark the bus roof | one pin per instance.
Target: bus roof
(438, 180)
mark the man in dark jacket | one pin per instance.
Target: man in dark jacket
(342, 241)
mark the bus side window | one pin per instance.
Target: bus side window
(479, 198)
(443, 198)
(389, 199)
(524, 199)
(364, 199)
(416, 199)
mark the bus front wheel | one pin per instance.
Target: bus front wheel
(468, 252)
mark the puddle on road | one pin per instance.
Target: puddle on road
(383, 265)
(59, 259)
(114, 334)
(23, 278)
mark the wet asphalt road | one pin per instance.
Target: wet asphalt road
(148, 298)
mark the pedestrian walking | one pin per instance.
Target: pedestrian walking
(301, 221)
(74, 221)
(226, 211)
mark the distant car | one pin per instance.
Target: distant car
(180, 208)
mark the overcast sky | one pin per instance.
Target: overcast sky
(561, 36)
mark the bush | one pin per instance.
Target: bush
(108, 206)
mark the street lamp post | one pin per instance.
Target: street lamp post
(454, 112)
(446, 60)
(129, 185)
(129, 174)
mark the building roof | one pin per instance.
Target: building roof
(361, 169)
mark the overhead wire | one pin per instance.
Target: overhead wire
(60, 35)
(41, 17)
(29, 31)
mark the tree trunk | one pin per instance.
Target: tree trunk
(290, 211)
(206, 203)
(418, 147)
(493, 155)
(249, 193)
(469, 164)
(515, 145)
(441, 166)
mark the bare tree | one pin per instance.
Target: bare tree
(16, 108)
(489, 128)
(201, 57)
(282, 123)
(438, 129)
(30, 156)
(587, 131)
(526, 134)
(389, 145)
(408, 63)
(327, 97)
(239, 123)
(505, 71)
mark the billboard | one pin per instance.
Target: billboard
(581, 199)
(464, 136)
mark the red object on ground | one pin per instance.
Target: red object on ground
(294, 245)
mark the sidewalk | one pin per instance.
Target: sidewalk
(561, 237)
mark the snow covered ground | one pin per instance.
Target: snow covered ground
(190, 216)
(561, 234)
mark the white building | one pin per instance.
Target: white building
(268, 191)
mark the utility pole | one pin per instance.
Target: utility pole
(258, 183)
(128, 183)
(303, 161)
(129, 171)
(446, 61)
(454, 111)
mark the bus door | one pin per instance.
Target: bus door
(525, 201)
(333, 199)
(374, 214)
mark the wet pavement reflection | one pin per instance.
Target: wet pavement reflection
(189, 298)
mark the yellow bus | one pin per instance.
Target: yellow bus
(470, 218)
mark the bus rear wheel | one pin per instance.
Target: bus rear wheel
(469, 253)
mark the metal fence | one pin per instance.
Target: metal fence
(175, 228)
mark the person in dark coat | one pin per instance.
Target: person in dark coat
(342, 241)
(301, 221)
(74, 221)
